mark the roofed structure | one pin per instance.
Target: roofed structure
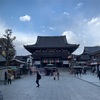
(51, 49)
(91, 50)
(22, 58)
(83, 57)
(88, 53)
(51, 42)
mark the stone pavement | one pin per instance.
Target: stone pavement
(89, 77)
(67, 88)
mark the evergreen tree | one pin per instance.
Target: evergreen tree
(7, 46)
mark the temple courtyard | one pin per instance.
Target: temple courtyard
(68, 87)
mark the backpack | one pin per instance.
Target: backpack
(39, 76)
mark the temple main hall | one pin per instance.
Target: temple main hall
(51, 50)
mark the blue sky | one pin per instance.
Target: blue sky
(79, 20)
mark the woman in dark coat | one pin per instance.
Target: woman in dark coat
(38, 77)
(57, 74)
(98, 75)
(5, 78)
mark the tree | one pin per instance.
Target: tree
(6, 43)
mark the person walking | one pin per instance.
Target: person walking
(98, 75)
(77, 72)
(5, 78)
(80, 72)
(54, 74)
(38, 77)
(9, 77)
(57, 74)
(84, 71)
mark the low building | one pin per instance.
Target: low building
(90, 57)
(2, 68)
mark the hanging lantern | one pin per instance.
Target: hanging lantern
(69, 57)
(57, 61)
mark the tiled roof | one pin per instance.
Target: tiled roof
(91, 50)
(21, 58)
(83, 57)
(88, 51)
(51, 42)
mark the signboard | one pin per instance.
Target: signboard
(94, 63)
(37, 62)
(65, 62)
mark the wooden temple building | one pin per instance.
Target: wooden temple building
(51, 50)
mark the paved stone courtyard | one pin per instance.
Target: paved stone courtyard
(67, 88)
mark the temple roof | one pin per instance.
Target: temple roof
(51, 42)
(88, 51)
(91, 50)
(83, 57)
(22, 58)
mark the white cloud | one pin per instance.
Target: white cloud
(52, 28)
(2, 28)
(71, 37)
(25, 18)
(21, 39)
(79, 5)
(67, 14)
(93, 27)
(47, 27)
(85, 32)
(94, 21)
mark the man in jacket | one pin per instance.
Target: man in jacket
(38, 77)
